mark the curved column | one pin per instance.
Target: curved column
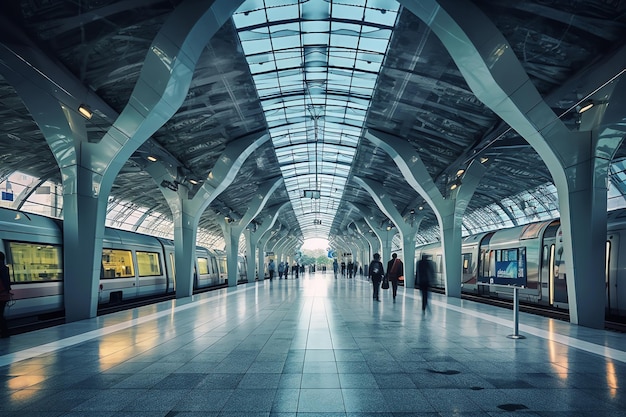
(374, 243)
(260, 236)
(267, 243)
(186, 212)
(232, 230)
(89, 168)
(448, 209)
(576, 161)
(362, 246)
(36, 79)
(375, 229)
(407, 228)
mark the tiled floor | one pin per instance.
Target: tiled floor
(313, 347)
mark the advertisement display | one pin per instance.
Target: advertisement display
(510, 268)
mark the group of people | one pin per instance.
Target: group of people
(395, 270)
(350, 268)
(283, 269)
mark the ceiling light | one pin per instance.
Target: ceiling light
(460, 172)
(85, 111)
(312, 193)
(483, 160)
(586, 106)
(151, 158)
(194, 182)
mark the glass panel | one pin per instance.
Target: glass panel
(117, 263)
(148, 264)
(328, 99)
(203, 266)
(30, 262)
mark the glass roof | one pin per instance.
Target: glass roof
(315, 64)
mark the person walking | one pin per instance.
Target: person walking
(335, 267)
(395, 269)
(426, 272)
(5, 295)
(376, 272)
(281, 269)
(271, 268)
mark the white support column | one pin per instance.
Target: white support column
(448, 209)
(577, 161)
(232, 229)
(90, 168)
(407, 228)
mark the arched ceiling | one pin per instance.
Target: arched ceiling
(314, 74)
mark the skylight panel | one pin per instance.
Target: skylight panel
(309, 89)
(276, 14)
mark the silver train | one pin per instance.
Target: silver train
(133, 265)
(531, 255)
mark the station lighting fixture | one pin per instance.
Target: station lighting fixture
(586, 106)
(312, 194)
(194, 182)
(455, 184)
(85, 111)
(151, 158)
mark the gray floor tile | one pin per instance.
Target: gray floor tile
(306, 353)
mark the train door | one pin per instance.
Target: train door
(483, 262)
(173, 271)
(559, 279)
(439, 280)
(546, 267)
(546, 294)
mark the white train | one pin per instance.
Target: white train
(133, 265)
(531, 256)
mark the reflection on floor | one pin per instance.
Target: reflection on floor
(313, 347)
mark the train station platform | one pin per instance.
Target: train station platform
(315, 346)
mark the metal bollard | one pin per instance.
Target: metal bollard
(516, 334)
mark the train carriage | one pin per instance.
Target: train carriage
(133, 265)
(34, 254)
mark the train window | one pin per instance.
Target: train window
(117, 263)
(507, 255)
(467, 260)
(214, 265)
(203, 266)
(223, 268)
(148, 264)
(31, 262)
